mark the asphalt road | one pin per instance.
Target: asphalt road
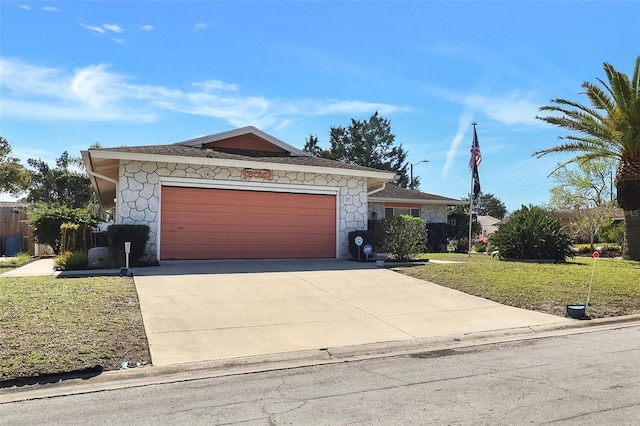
(581, 379)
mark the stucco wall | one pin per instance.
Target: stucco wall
(139, 194)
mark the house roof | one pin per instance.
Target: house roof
(392, 193)
(244, 131)
(246, 147)
(190, 152)
(488, 220)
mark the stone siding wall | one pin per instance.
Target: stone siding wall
(428, 213)
(139, 194)
(434, 214)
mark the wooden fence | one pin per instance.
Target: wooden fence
(15, 234)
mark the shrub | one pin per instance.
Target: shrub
(377, 228)
(68, 235)
(405, 236)
(531, 233)
(462, 245)
(71, 260)
(613, 233)
(458, 226)
(18, 259)
(480, 248)
(46, 222)
(77, 260)
(119, 234)
(437, 237)
(61, 260)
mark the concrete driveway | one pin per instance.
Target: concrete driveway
(209, 310)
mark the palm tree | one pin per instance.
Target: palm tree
(610, 128)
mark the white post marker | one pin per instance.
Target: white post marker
(127, 250)
(596, 255)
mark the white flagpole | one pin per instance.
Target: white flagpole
(471, 197)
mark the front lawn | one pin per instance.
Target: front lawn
(56, 325)
(543, 287)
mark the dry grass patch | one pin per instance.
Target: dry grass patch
(54, 325)
(544, 287)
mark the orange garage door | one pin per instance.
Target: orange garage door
(198, 223)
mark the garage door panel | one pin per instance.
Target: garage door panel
(198, 223)
(233, 218)
(211, 234)
(307, 209)
(227, 238)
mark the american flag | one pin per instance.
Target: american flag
(474, 162)
(476, 156)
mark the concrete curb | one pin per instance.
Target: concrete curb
(154, 375)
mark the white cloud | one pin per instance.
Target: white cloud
(25, 7)
(118, 40)
(95, 93)
(216, 85)
(464, 124)
(51, 9)
(147, 27)
(200, 26)
(358, 107)
(113, 27)
(512, 108)
(93, 28)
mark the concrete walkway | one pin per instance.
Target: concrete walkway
(45, 268)
(206, 310)
(37, 268)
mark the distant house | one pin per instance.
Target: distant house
(489, 225)
(387, 200)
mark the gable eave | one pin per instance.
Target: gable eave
(199, 142)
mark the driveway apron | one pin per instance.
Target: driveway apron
(208, 310)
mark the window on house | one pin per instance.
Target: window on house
(397, 211)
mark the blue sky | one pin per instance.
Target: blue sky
(151, 72)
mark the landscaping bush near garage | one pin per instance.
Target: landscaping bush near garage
(53, 325)
(543, 287)
(119, 234)
(405, 236)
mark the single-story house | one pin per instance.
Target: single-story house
(387, 200)
(489, 225)
(240, 194)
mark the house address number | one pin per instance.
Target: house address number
(257, 173)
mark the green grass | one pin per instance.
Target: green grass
(544, 287)
(17, 260)
(53, 325)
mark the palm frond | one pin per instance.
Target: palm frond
(599, 97)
